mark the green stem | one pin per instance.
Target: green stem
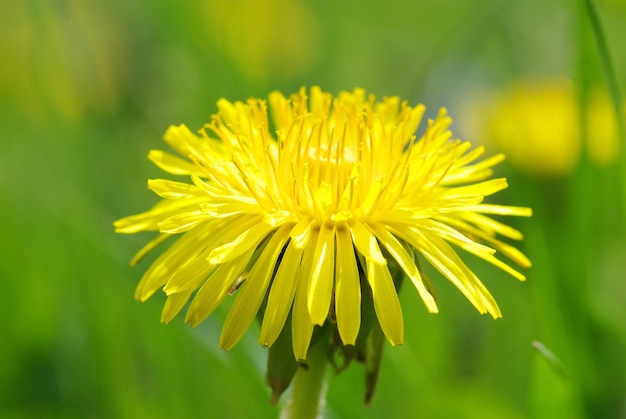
(309, 386)
(607, 64)
(613, 86)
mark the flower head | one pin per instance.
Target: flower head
(302, 220)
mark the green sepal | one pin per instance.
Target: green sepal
(281, 364)
(375, 337)
(369, 345)
(373, 358)
(367, 350)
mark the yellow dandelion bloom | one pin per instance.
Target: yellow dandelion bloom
(306, 214)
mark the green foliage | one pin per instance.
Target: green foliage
(88, 88)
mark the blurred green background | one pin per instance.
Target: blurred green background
(87, 88)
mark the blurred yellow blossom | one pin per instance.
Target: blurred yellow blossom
(602, 129)
(537, 124)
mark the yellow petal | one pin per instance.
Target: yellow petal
(170, 189)
(373, 194)
(485, 188)
(184, 248)
(474, 173)
(441, 261)
(181, 139)
(150, 219)
(500, 210)
(228, 111)
(512, 253)
(278, 218)
(172, 164)
(487, 256)
(506, 249)
(215, 289)
(320, 285)
(386, 303)
(490, 302)
(454, 236)
(252, 292)
(174, 304)
(246, 240)
(323, 199)
(365, 243)
(183, 221)
(490, 225)
(190, 275)
(280, 111)
(301, 325)
(472, 155)
(301, 232)
(148, 247)
(281, 295)
(347, 289)
(220, 210)
(404, 259)
(445, 259)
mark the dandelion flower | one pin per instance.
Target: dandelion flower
(299, 218)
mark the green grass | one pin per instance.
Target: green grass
(87, 89)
